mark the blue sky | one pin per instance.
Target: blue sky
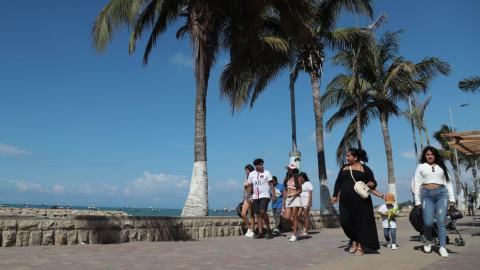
(84, 129)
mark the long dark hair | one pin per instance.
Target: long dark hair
(305, 177)
(438, 159)
(295, 178)
(249, 167)
(360, 153)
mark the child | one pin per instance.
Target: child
(388, 213)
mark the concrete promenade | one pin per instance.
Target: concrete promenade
(324, 249)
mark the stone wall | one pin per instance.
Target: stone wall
(60, 229)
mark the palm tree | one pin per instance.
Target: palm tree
(385, 78)
(470, 162)
(448, 153)
(243, 85)
(212, 26)
(470, 85)
(417, 117)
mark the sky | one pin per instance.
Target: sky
(81, 128)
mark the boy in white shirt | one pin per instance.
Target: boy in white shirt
(388, 213)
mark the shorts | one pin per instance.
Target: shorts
(293, 202)
(260, 204)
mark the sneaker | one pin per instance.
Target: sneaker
(427, 248)
(293, 239)
(387, 244)
(258, 236)
(250, 234)
(443, 252)
(276, 231)
(394, 246)
(269, 234)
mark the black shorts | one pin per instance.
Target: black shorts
(260, 204)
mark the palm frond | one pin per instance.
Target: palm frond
(470, 85)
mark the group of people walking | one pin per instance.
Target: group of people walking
(290, 200)
(433, 192)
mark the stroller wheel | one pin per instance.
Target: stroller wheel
(435, 241)
(462, 242)
(457, 242)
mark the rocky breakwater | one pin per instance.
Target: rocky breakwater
(24, 227)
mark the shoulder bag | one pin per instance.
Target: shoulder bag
(240, 205)
(360, 187)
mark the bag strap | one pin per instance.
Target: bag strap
(352, 174)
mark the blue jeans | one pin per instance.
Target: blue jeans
(435, 200)
(390, 231)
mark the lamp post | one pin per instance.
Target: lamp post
(459, 197)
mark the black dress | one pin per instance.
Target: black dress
(356, 214)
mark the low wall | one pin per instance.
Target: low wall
(99, 228)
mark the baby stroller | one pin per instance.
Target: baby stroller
(451, 221)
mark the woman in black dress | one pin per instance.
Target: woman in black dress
(356, 214)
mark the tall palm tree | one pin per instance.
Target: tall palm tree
(417, 117)
(470, 85)
(448, 153)
(386, 79)
(471, 162)
(212, 26)
(243, 85)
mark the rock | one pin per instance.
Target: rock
(28, 224)
(82, 224)
(66, 224)
(8, 238)
(60, 237)
(47, 238)
(22, 238)
(8, 225)
(48, 225)
(35, 238)
(82, 236)
(72, 237)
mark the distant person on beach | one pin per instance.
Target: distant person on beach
(436, 196)
(277, 206)
(260, 181)
(248, 206)
(470, 205)
(389, 225)
(306, 196)
(291, 199)
(356, 214)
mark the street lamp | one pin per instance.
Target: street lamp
(459, 197)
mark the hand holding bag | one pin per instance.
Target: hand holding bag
(360, 187)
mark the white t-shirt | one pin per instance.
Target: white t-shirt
(426, 175)
(260, 182)
(385, 222)
(307, 186)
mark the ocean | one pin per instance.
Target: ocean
(132, 211)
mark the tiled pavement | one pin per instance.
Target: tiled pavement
(324, 249)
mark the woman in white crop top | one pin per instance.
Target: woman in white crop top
(436, 196)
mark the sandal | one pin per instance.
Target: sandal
(353, 249)
(358, 252)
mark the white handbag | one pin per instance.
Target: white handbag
(360, 187)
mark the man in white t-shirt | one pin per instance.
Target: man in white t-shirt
(259, 184)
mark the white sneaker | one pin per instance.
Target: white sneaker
(394, 246)
(293, 239)
(387, 244)
(443, 252)
(248, 232)
(428, 247)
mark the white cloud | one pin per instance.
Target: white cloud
(58, 189)
(12, 151)
(330, 172)
(183, 184)
(30, 186)
(182, 60)
(109, 190)
(408, 154)
(313, 137)
(229, 185)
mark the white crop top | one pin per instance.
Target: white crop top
(425, 175)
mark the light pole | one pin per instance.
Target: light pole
(459, 197)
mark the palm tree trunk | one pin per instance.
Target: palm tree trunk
(426, 135)
(457, 180)
(413, 131)
(388, 151)
(197, 201)
(359, 127)
(325, 206)
(421, 139)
